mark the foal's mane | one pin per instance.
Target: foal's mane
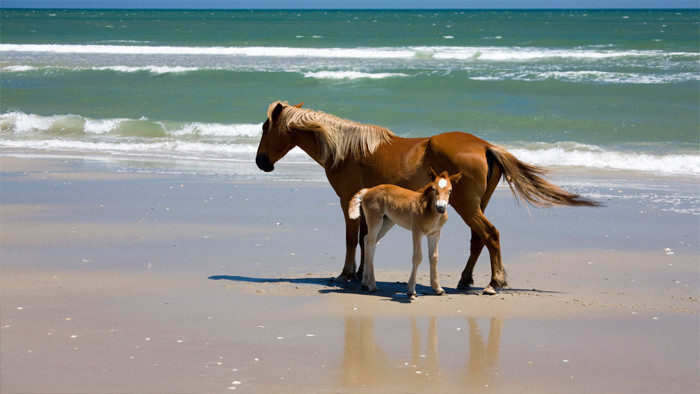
(337, 138)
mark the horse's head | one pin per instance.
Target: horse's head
(441, 188)
(274, 144)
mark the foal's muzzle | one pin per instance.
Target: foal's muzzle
(263, 162)
(440, 207)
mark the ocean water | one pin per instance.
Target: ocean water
(610, 99)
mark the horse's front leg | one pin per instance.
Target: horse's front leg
(352, 228)
(433, 240)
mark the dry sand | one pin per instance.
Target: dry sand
(127, 282)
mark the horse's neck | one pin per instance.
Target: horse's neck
(306, 141)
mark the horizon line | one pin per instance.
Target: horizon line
(360, 9)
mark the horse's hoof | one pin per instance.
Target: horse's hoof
(412, 296)
(489, 290)
(342, 278)
(440, 292)
(464, 285)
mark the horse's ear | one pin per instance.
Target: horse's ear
(432, 174)
(276, 112)
(456, 177)
(298, 105)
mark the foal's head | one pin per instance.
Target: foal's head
(273, 144)
(440, 188)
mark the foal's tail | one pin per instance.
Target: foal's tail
(528, 185)
(354, 208)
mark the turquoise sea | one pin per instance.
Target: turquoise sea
(608, 99)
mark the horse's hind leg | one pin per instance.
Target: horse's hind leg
(475, 248)
(483, 233)
(491, 238)
(476, 244)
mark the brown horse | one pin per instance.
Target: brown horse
(422, 212)
(357, 156)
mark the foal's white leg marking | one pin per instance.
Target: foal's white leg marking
(417, 257)
(433, 240)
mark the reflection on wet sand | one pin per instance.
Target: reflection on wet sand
(366, 363)
(483, 356)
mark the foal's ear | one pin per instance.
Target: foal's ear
(432, 174)
(298, 105)
(456, 177)
(276, 112)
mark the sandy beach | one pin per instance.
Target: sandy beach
(125, 281)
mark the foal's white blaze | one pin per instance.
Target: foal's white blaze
(442, 204)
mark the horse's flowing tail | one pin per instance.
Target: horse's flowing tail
(354, 208)
(528, 185)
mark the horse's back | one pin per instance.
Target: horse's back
(458, 151)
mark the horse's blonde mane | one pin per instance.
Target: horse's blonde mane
(337, 138)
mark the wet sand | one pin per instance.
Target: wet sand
(145, 282)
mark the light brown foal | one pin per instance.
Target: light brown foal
(422, 212)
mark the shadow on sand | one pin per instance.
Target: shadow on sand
(395, 291)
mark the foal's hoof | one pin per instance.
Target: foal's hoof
(489, 290)
(373, 289)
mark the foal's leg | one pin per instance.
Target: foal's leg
(370, 241)
(417, 257)
(387, 224)
(363, 233)
(433, 240)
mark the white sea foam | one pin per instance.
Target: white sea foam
(591, 77)
(218, 130)
(18, 68)
(151, 69)
(581, 155)
(408, 52)
(170, 149)
(102, 126)
(18, 124)
(238, 141)
(350, 75)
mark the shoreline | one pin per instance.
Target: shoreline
(146, 282)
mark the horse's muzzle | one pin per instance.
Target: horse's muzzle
(263, 162)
